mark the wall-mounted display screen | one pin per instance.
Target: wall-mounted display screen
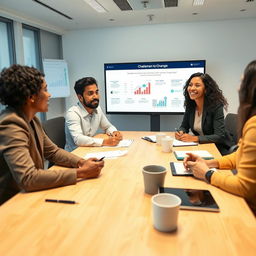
(148, 87)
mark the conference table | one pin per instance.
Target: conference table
(113, 214)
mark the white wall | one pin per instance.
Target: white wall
(227, 47)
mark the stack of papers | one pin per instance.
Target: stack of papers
(106, 154)
(180, 155)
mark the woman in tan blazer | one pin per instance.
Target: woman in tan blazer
(24, 145)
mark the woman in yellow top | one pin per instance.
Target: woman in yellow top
(244, 159)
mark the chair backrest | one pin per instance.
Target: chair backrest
(231, 125)
(55, 130)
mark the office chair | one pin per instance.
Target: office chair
(55, 130)
(231, 127)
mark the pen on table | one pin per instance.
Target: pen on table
(60, 201)
(100, 159)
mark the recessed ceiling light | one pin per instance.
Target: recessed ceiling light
(194, 13)
(111, 19)
(242, 10)
(95, 5)
(198, 2)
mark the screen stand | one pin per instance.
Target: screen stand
(155, 122)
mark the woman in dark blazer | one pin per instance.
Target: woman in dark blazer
(23, 143)
(204, 103)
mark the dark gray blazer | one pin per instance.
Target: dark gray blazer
(23, 148)
(212, 126)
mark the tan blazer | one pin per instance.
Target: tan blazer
(23, 147)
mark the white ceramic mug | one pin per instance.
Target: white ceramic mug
(153, 176)
(165, 208)
(167, 142)
(159, 137)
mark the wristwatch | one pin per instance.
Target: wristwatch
(208, 175)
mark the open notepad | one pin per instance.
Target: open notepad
(180, 155)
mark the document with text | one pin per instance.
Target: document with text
(106, 154)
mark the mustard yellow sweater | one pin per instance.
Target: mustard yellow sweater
(244, 161)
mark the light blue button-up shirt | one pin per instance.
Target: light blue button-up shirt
(80, 127)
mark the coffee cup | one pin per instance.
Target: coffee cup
(165, 210)
(159, 137)
(166, 143)
(154, 176)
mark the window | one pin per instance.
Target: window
(32, 52)
(6, 43)
(31, 47)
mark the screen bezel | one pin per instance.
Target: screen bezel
(145, 63)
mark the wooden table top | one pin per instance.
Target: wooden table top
(113, 215)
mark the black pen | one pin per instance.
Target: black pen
(100, 159)
(60, 201)
(177, 130)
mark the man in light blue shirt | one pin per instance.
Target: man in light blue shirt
(84, 119)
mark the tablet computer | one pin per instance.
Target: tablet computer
(193, 199)
(178, 169)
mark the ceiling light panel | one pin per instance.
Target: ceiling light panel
(198, 2)
(96, 6)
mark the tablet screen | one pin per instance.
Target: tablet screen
(193, 199)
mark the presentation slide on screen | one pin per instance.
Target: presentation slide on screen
(147, 88)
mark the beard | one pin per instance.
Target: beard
(92, 104)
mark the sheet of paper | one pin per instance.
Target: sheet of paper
(180, 155)
(122, 143)
(178, 143)
(106, 154)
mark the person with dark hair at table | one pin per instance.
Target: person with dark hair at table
(244, 159)
(23, 143)
(204, 103)
(85, 118)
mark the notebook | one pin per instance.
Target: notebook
(178, 143)
(180, 155)
(178, 169)
(151, 138)
(193, 199)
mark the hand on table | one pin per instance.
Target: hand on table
(197, 165)
(89, 168)
(185, 137)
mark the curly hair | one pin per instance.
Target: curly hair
(247, 96)
(18, 83)
(213, 94)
